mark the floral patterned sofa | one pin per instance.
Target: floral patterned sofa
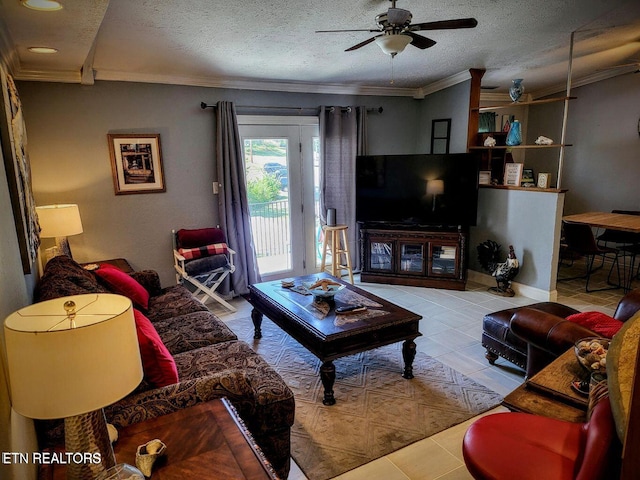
(211, 362)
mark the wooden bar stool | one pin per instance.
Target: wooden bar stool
(332, 237)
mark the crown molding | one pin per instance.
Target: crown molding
(60, 76)
(8, 52)
(240, 84)
(442, 84)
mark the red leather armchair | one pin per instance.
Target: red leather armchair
(547, 336)
(506, 446)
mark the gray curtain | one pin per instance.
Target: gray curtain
(342, 137)
(233, 206)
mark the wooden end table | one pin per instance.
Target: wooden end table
(208, 440)
(549, 393)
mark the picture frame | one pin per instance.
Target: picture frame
(13, 138)
(440, 135)
(543, 180)
(528, 177)
(513, 174)
(136, 163)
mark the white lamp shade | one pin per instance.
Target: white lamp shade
(56, 371)
(435, 187)
(392, 44)
(59, 220)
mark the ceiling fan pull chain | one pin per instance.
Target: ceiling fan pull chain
(392, 75)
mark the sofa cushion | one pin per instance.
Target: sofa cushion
(121, 283)
(190, 238)
(172, 302)
(205, 265)
(191, 331)
(158, 364)
(599, 322)
(204, 251)
(274, 399)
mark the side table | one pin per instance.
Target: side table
(208, 440)
(549, 392)
(120, 263)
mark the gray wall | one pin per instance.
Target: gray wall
(603, 128)
(15, 293)
(68, 125)
(452, 103)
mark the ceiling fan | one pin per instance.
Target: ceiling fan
(397, 31)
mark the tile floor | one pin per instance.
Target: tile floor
(451, 329)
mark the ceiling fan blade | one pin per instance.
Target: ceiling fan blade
(361, 44)
(356, 30)
(445, 24)
(420, 41)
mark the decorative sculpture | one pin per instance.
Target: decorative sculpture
(489, 253)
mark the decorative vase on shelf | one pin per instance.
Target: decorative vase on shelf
(516, 90)
(514, 137)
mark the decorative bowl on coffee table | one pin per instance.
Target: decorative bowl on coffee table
(592, 353)
(328, 291)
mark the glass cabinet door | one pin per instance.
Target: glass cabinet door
(381, 256)
(444, 260)
(412, 258)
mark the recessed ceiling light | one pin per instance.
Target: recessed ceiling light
(42, 5)
(42, 50)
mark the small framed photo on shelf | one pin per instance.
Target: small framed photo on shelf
(513, 174)
(485, 177)
(543, 180)
(528, 179)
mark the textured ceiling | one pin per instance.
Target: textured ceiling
(272, 44)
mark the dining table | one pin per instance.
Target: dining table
(614, 221)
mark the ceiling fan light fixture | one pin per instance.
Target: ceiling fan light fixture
(393, 44)
(42, 5)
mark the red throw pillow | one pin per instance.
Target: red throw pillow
(599, 322)
(199, 237)
(158, 364)
(123, 284)
(206, 251)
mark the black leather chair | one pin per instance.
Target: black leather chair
(579, 239)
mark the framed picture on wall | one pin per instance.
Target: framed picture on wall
(13, 138)
(440, 135)
(136, 163)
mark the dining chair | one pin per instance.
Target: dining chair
(579, 239)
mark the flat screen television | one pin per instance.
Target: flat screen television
(430, 190)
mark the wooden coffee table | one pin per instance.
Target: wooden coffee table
(327, 335)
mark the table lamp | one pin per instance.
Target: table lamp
(435, 188)
(59, 222)
(68, 358)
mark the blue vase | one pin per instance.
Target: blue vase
(514, 137)
(516, 90)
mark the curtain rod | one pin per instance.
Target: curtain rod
(204, 105)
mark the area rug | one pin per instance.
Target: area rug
(377, 411)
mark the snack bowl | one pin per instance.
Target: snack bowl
(592, 353)
(321, 292)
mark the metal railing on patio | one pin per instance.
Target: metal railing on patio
(270, 228)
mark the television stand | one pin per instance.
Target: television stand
(405, 255)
